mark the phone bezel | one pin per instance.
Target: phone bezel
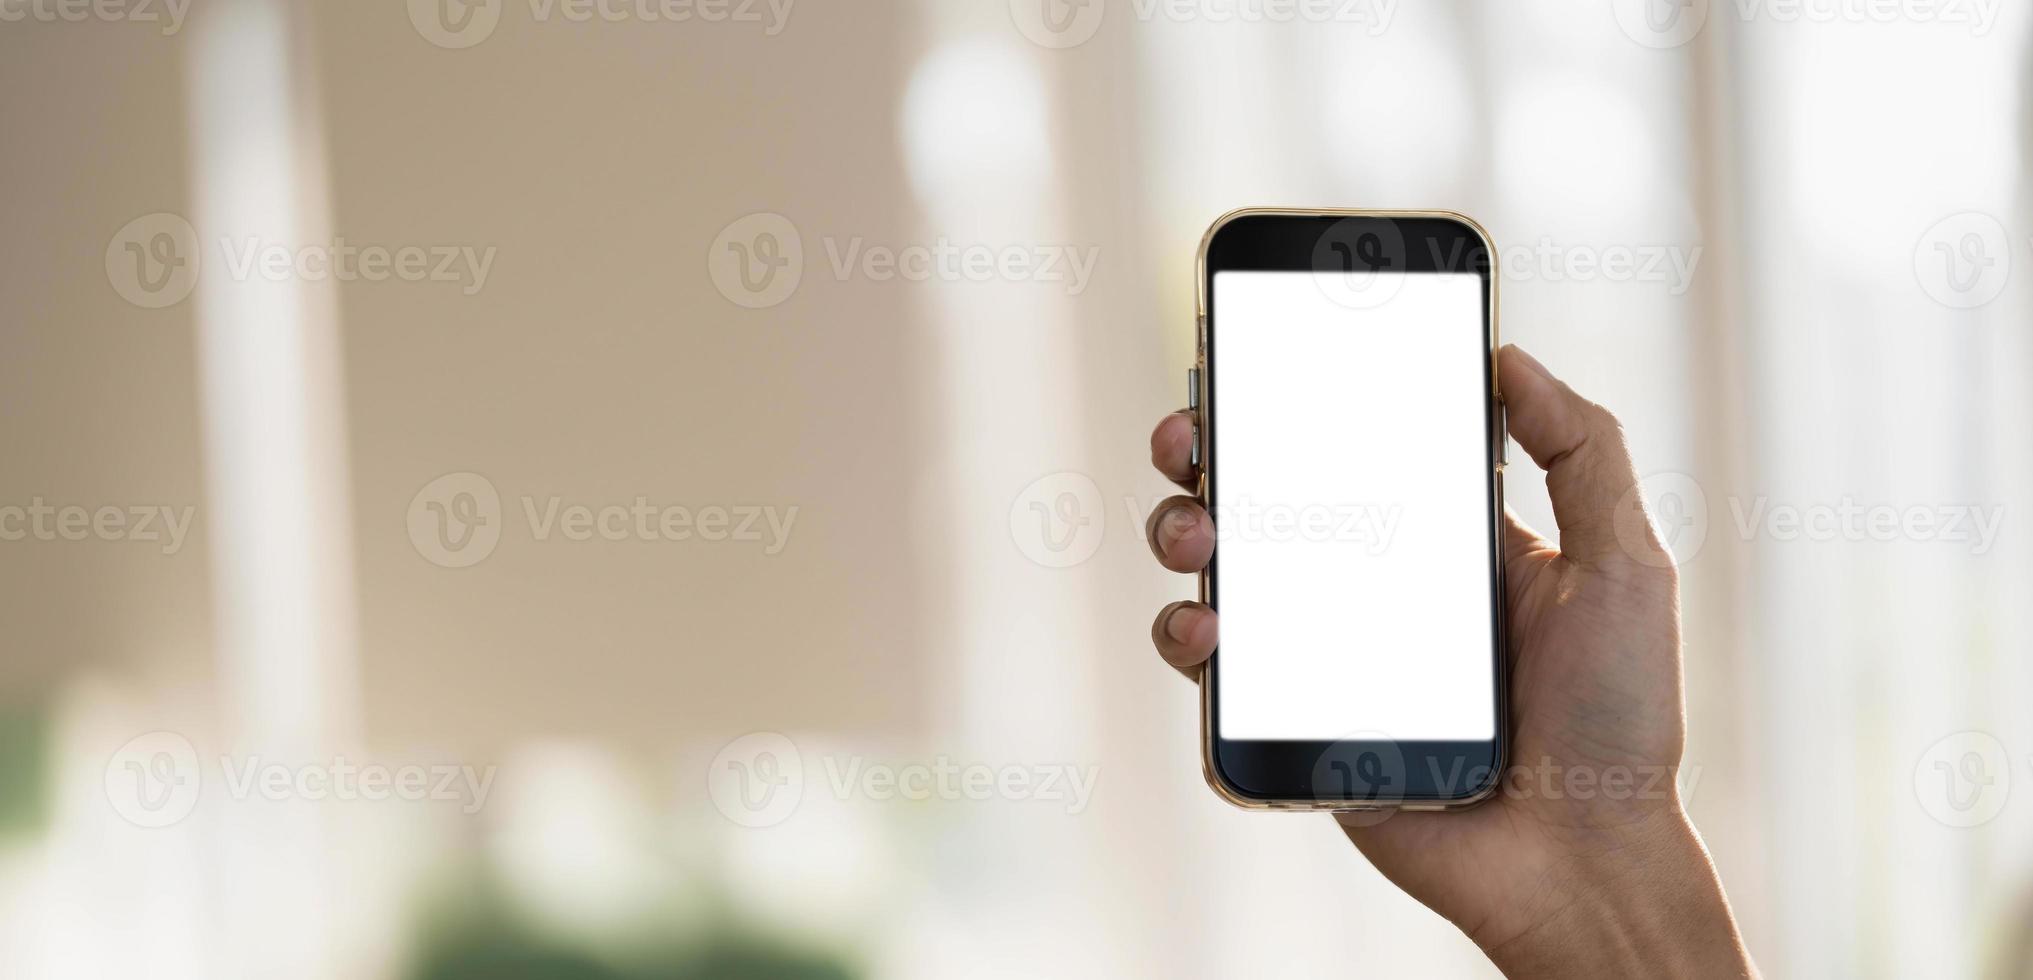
(1284, 774)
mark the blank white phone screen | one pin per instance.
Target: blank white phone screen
(1352, 508)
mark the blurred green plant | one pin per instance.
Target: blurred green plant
(479, 937)
(24, 770)
(507, 954)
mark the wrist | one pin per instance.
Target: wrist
(1648, 904)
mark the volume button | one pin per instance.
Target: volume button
(1503, 434)
(1193, 405)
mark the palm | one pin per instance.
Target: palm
(1585, 699)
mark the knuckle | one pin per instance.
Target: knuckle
(1602, 420)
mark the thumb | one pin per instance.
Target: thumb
(1581, 447)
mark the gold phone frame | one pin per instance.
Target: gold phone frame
(1499, 460)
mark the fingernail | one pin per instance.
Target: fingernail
(1178, 625)
(1171, 528)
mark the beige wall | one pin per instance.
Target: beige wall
(599, 364)
(99, 396)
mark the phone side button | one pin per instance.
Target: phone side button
(1503, 434)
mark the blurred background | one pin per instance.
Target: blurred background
(629, 488)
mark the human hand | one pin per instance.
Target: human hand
(1548, 879)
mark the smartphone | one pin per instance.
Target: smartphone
(1351, 445)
